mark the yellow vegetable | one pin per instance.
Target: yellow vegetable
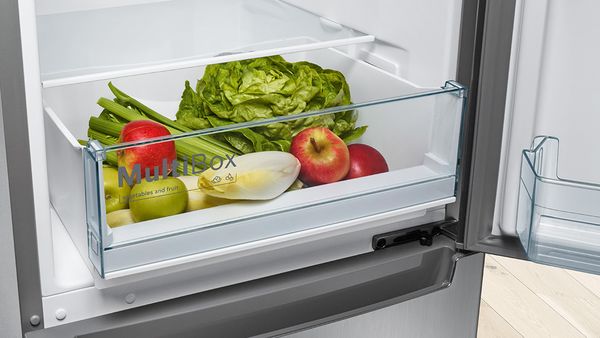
(119, 218)
(255, 176)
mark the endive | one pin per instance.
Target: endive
(255, 176)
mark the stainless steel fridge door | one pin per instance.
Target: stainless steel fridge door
(534, 188)
(9, 294)
(483, 136)
(300, 299)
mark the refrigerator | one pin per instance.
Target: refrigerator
(481, 111)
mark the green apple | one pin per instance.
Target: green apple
(156, 199)
(119, 218)
(115, 197)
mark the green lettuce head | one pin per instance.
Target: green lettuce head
(262, 88)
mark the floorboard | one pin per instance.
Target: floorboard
(521, 307)
(561, 291)
(492, 325)
(589, 281)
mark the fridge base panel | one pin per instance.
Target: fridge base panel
(341, 290)
(455, 310)
(328, 244)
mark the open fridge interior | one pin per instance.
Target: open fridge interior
(373, 73)
(362, 89)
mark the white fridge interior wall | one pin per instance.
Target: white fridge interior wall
(418, 38)
(553, 92)
(35, 123)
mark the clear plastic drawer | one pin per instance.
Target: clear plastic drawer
(182, 194)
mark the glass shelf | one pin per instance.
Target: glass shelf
(108, 43)
(558, 220)
(415, 129)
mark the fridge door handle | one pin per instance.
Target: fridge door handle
(287, 302)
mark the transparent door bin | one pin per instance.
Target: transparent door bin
(558, 220)
(183, 33)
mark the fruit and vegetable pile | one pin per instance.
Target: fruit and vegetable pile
(166, 177)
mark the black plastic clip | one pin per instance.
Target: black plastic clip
(424, 234)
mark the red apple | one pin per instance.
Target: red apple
(322, 154)
(364, 161)
(149, 157)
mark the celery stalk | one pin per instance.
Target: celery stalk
(106, 140)
(149, 112)
(105, 126)
(191, 146)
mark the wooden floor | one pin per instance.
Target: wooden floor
(523, 299)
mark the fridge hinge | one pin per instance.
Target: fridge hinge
(424, 234)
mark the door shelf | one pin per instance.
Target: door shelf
(416, 130)
(175, 34)
(558, 220)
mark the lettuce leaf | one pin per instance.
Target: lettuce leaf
(267, 87)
